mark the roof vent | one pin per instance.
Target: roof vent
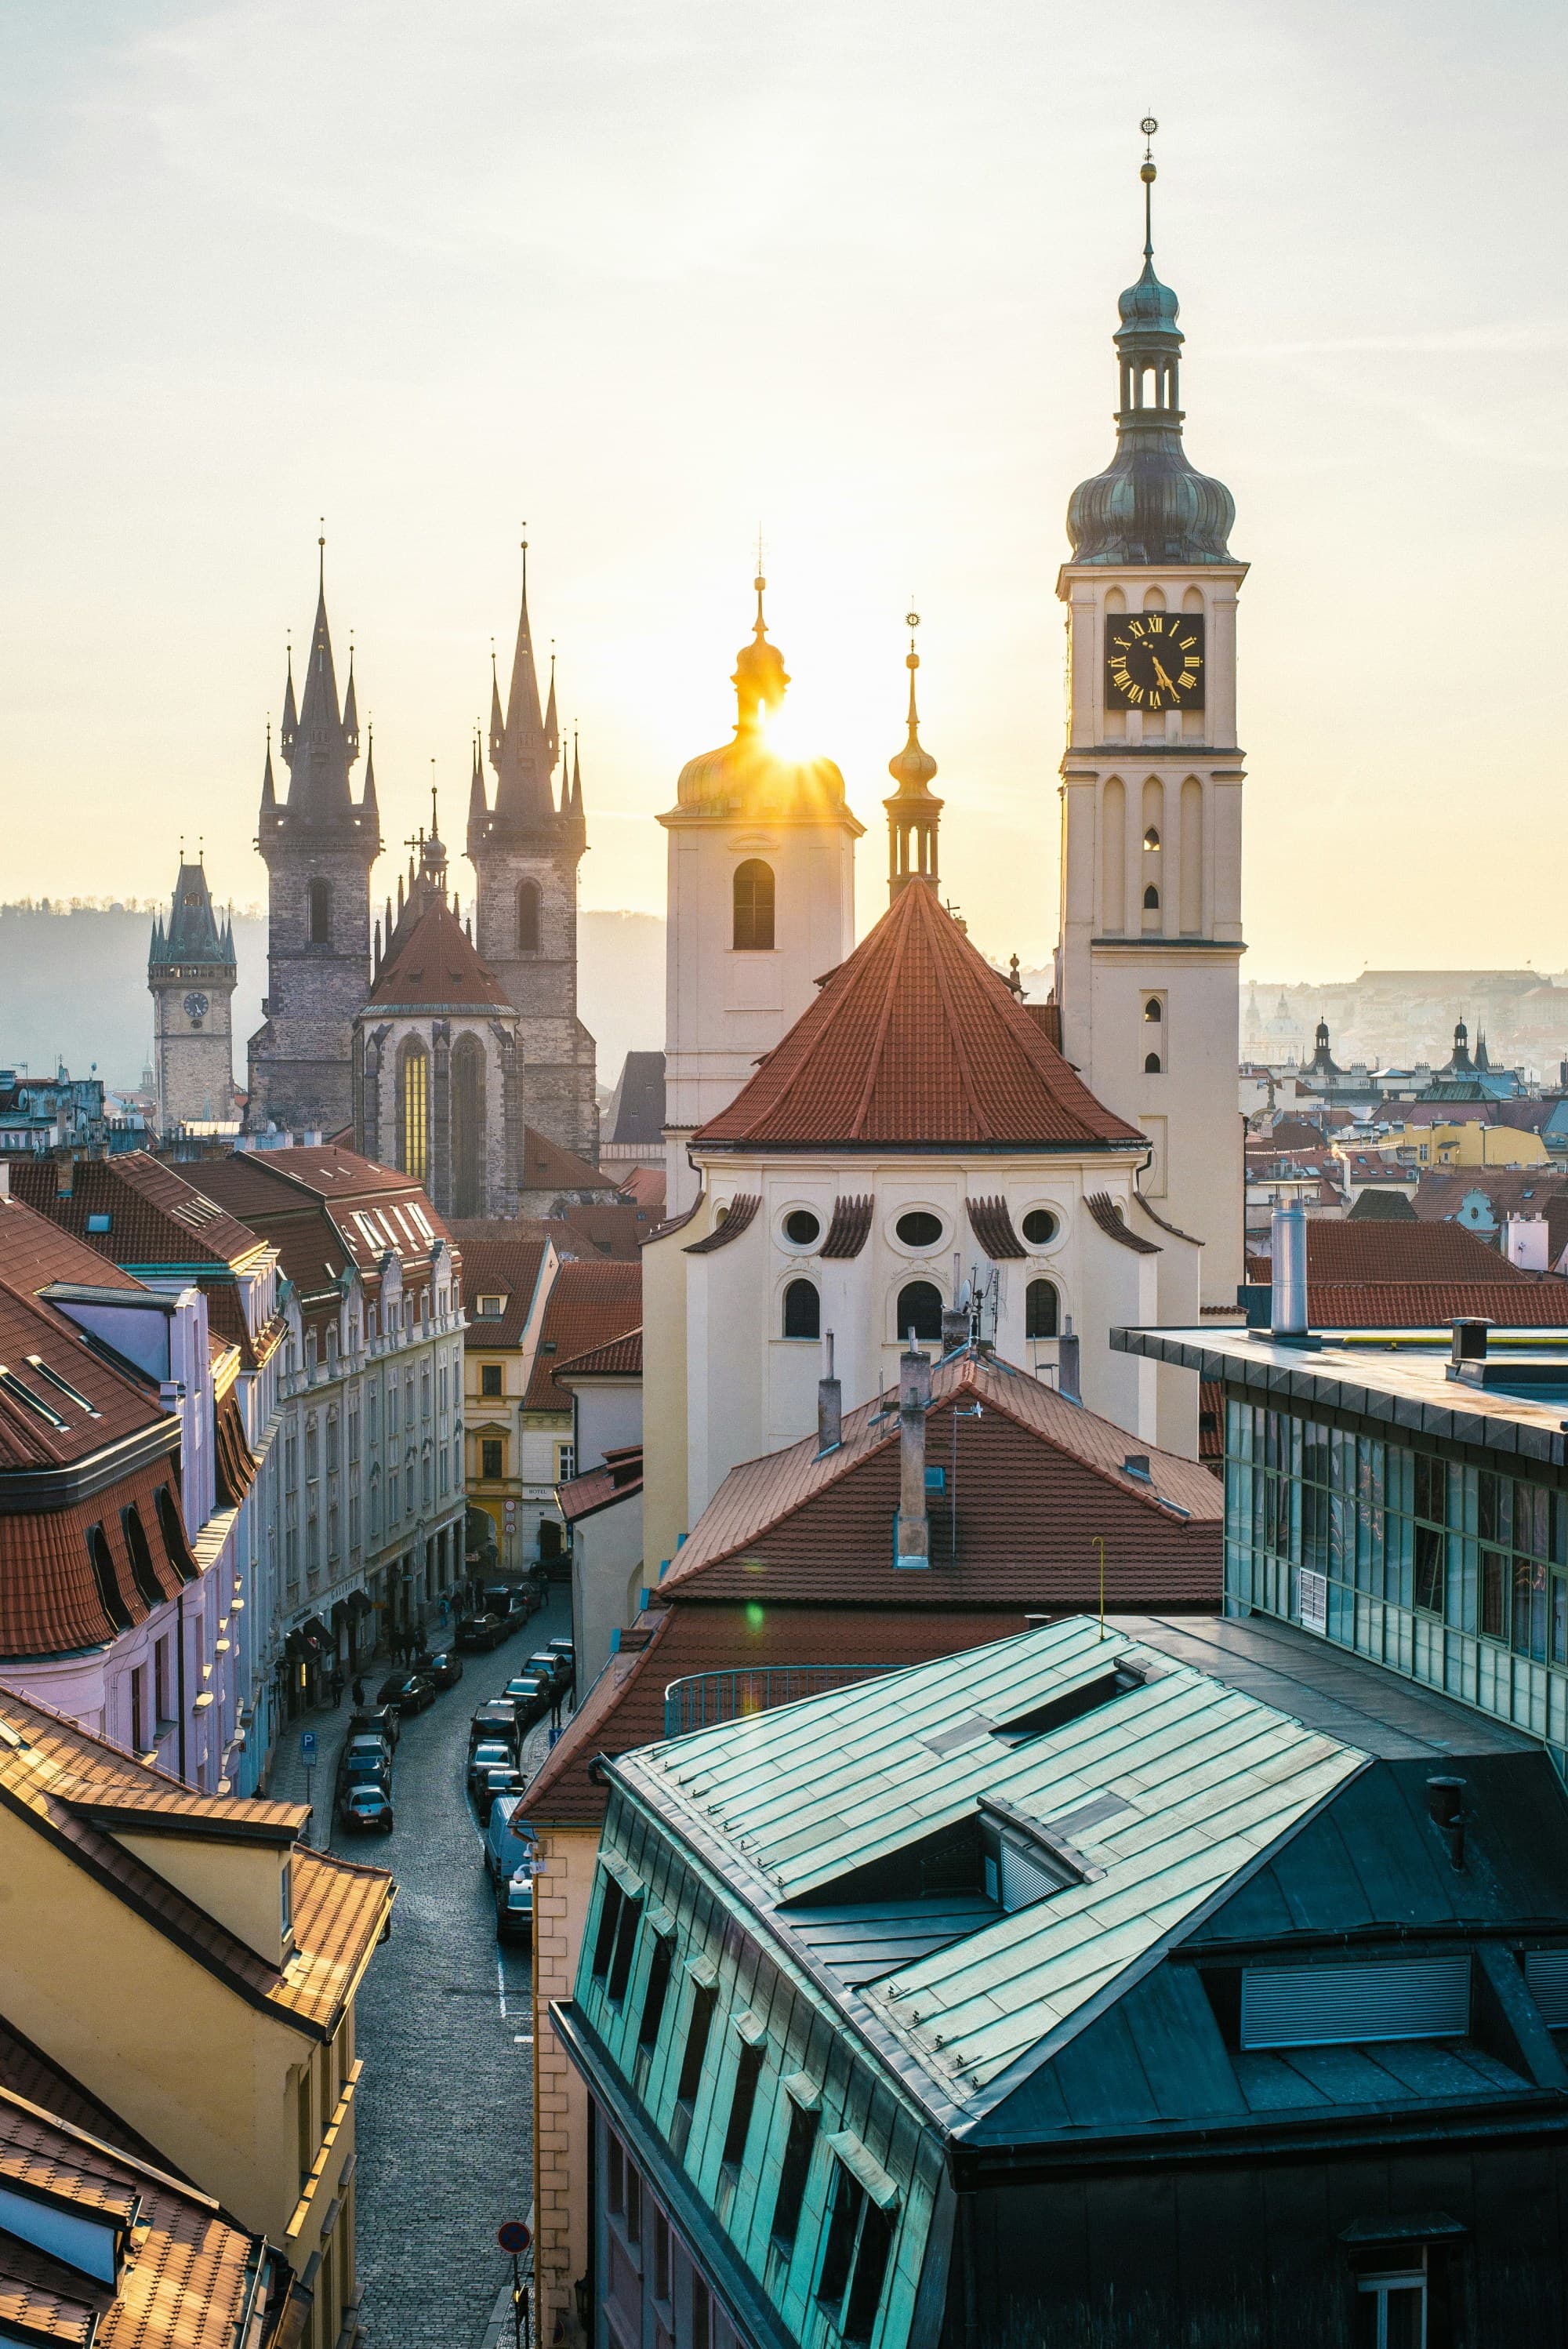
(1137, 1465)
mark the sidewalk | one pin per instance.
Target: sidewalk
(286, 1778)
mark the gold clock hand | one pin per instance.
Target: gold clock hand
(1164, 680)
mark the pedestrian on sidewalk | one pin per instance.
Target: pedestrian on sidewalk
(358, 1693)
(336, 1684)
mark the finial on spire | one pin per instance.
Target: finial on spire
(321, 557)
(1147, 174)
(914, 813)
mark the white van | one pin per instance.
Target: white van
(504, 1851)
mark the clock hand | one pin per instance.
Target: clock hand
(1164, 680)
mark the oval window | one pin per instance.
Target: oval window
(918, 1230)
(1040, 1226)
(801, 1227)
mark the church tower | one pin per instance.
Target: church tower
(319, 846)
(1147, 970)
(760, 905)
(525, 851)
(191, 975)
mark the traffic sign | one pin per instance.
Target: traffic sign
(307, 1748)
(513, 2236)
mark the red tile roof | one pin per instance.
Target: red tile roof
(618, 1478)
(433, 966)
(622, 1358)
(507, 1269)
(156, 1217)
(324, 1209)
(590, 1301)
(1375, 1250)
(546, 1166)
(646, 1186)
(1512, 1191)
(1031, 1480)
(1540, 1303)
(915, 1040)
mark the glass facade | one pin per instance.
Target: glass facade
(1417, 1558)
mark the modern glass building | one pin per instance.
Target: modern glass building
(1402, 1503)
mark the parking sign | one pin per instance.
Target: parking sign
(307, 1748)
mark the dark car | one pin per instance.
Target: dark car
(409, 1692)
(443, 1669)
(491, 1755)
(478, 1632)
(533, 1694)
(514, 1907)
(367, 1745)
(376, 1719)
(498, 1719)
(556, 1670)
(366, 1809)
(564, 1650)
(492, 1786)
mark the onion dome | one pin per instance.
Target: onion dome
(1150, 505)
(760, 676)
(747, 775)
(914, 813)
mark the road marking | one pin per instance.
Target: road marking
(522, 2038)
(500, 1980)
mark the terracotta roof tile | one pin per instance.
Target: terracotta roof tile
(1378, 1250)
(51, 1600)
(850, 1225)
(915, 1040)
(1029, 1483)
(590, 1301)
(155, 1216)
(27, 2071)
(646, 1186)
(507, 1269)
(735, 1216)
(620, 1478)
(1540, 1304)
(1102, 1207)
(546, 1166)
(621, 1358)
(435, 966)
(993, 1227)
(1512, 1191)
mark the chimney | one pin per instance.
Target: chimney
(911, 1544)
(5, 1178)
(1068, 1374)
(65, 1175)
(830, 1407)
(1289, 1245)
(1469, 1346)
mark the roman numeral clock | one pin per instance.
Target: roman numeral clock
(1154, 660)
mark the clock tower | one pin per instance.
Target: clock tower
(191, 975)
(1148, 968)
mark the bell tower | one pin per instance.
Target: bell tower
(191, 976)
(1149, 964)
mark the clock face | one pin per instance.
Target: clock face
(1154, 660)
(196, 1008)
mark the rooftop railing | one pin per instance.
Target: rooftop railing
(703, 1699)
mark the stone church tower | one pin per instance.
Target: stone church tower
(525, 852)
(1148, 967)
(438, 1070)
(191, 975)
(319, 846)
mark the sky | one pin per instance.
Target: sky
(651, 275)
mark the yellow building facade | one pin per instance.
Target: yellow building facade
(1469, 1145)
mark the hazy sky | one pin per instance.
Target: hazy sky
(648, 271)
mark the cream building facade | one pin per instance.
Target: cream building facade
(1148, 967)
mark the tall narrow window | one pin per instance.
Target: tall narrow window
(110, 1596)
(626, 1948)
(753, 904)
(139, 1552)
(609, 1919)
(528, 925)
(919, 1310)
(1152, 900)
(1042, 1309)
(742, 2104)
(467, 1126)
(792, 2176)
(802, 1310)
(414, 1111)
(696, 2050)
(1151, 1064)
(320, 912)
(657, 1990)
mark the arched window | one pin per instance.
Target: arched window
(1152, 1013)
(414, 1110)
(802, 1310)
(753, 906)
(110, 1596)
(1151, 1064)
(320, 912)
(469, 1125)
(139, 1550)
(919, 1309)
(1152, 837)
(1042, 1309)
(528, 903)
(1152, 900)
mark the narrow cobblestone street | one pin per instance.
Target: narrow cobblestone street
(445, 2025)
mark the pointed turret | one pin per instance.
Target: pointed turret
(290, 727)
(576, 782)
(915, 812)
(351, 711)
(477, 806)
(552, 729)
(498, 723)
(520, 750)
(269, 790)
(325, 744)
(368, 804)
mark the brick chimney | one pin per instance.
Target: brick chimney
(65, 1173)
(912, 1543)
(830, 1407)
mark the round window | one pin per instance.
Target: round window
(1040, 1226)
(920, 1228)
(801, 1227)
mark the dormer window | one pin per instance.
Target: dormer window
(490, 1309)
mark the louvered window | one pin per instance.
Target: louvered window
(1546, 1972)
(1327, 2006)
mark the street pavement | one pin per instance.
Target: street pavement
(444, 2021)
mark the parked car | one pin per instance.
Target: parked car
(409, 1692)
(505, 1843)
(364, 1770)
(443, 1669)
(479, 1632)
(367, 1745)
(491, 1754)
(380, 1719)
(498, 1719)
(492, 1786)
(566, 1650)
(533, 1696)
(513, 1600)
(514, 1907)
(368, 1809)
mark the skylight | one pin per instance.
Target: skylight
(23, 1392)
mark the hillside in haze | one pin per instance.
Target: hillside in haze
(73, 987)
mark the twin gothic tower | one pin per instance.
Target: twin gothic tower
(510, 998)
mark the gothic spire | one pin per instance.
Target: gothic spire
(576, 780)
(322, 748)
(290, 726)
(367, 801)
(519, 752)
(350, 708)
(269, 792)
(552, 730)
(477, 809)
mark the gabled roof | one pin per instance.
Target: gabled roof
(435, 966)
(1028, 1485)
(618, 1478)
(546, 1166)
(590, 1301)
(620, 1358)
(326, 1209)
(915, 1041)
(156, 1217)
(1539, 1303)
(507, 1269)
(64, 1784)
(27, 2071)
(1510, 1191)
(1367, 1250)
